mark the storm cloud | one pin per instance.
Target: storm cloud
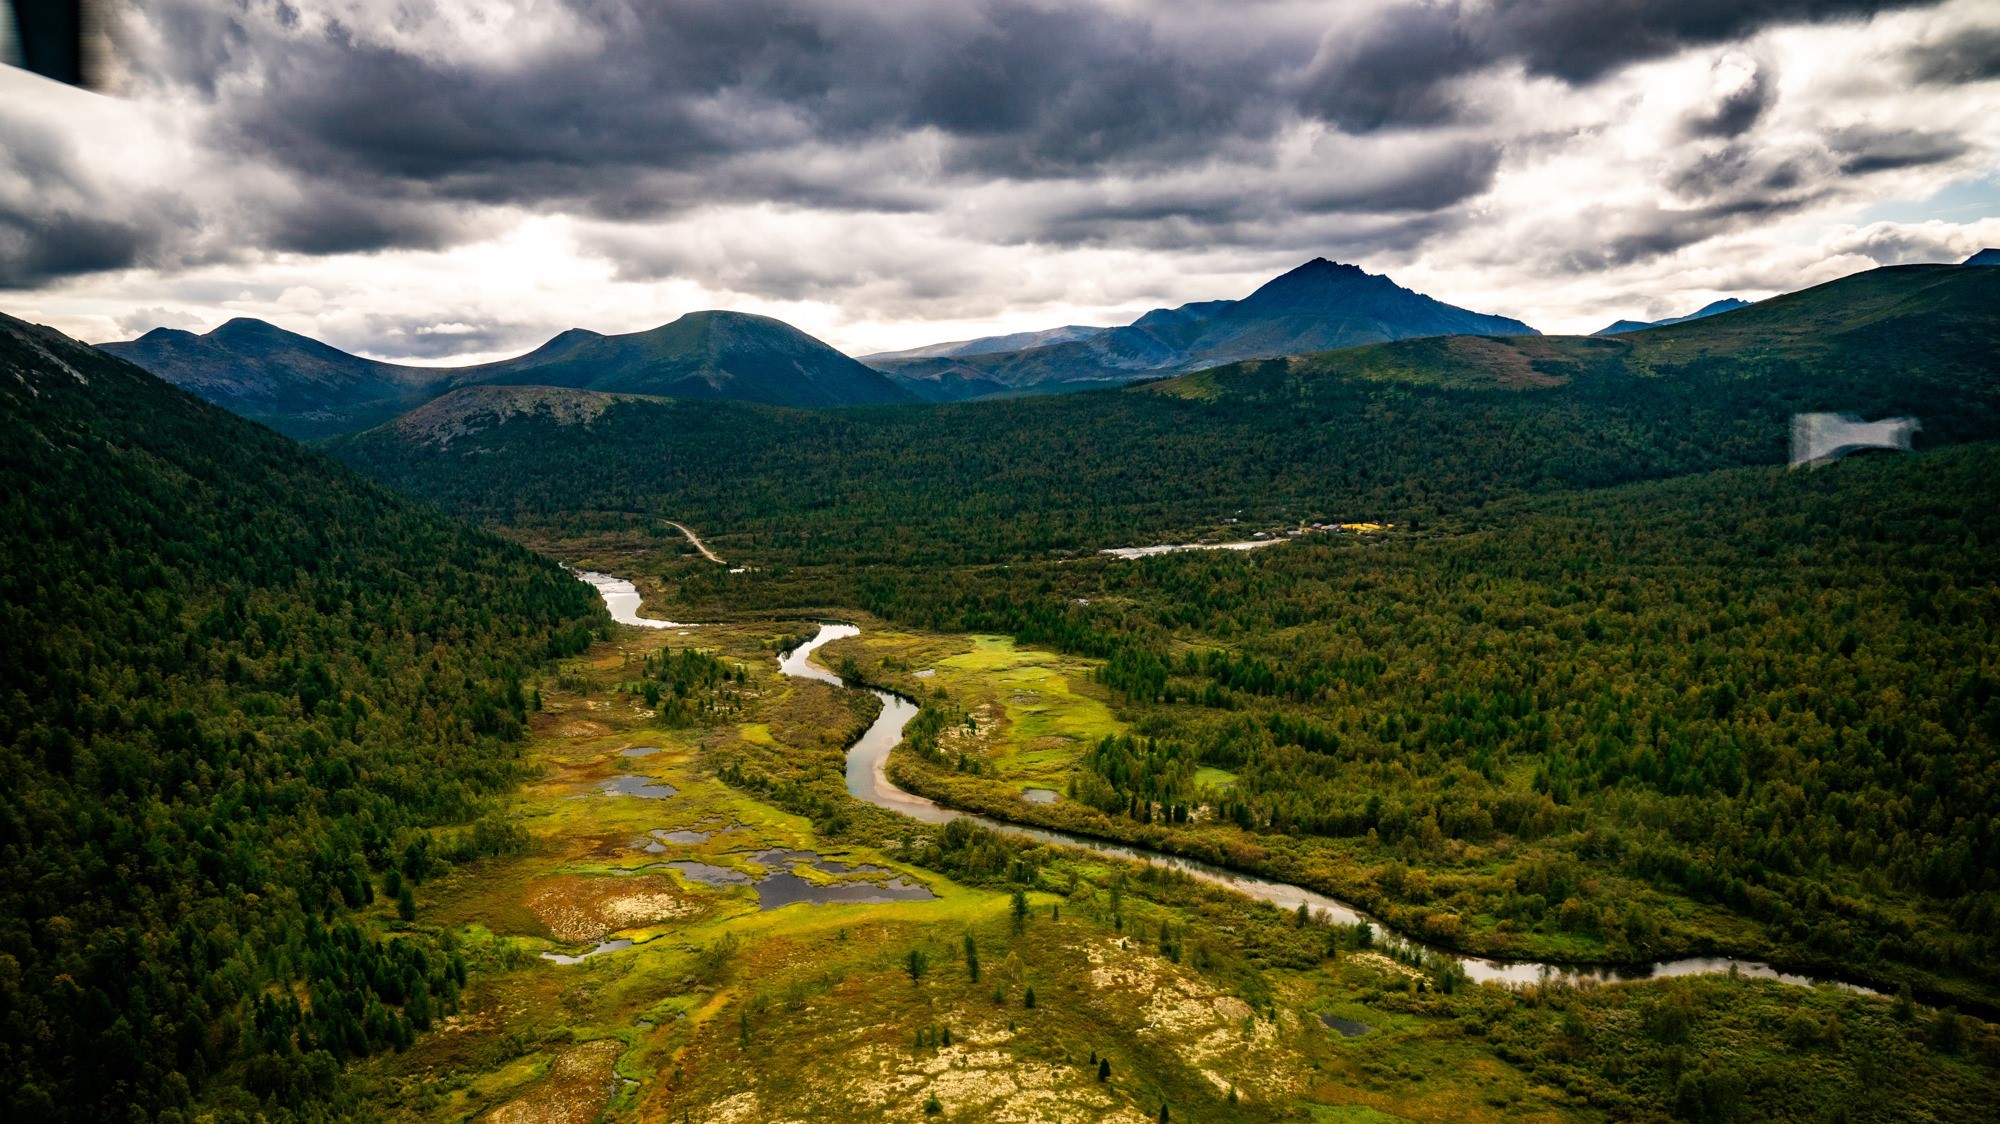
(1254, 131)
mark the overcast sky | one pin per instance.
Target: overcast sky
(437, 179)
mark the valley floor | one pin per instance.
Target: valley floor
(1093, 992)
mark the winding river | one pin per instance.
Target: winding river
(621, 598)
(867, 779)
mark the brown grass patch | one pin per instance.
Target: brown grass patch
(575, 1090)
(1510, 363)
(576, 908)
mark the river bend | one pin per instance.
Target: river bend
(867, 779)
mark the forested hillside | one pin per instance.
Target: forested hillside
(242, 692)
(1421, 433)
(1604, 728)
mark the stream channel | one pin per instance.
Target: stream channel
(867, 779)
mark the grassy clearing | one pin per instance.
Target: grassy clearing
(1030, 713)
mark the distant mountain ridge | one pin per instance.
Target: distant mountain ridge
(1713, 308)
(261, 371)
(1319, 306)
(305, 388)
(988, 345)
(1413, 429)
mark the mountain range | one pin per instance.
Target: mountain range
(1715, 308)
(1409, 431)
(1318, 306)
(305, 388)
(1401, 431)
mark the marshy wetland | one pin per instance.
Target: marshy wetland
(749, 942)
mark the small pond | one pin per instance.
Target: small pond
(601, 949)
(783, 885)
(1348, 1028)
(709, 874)
(646, 788)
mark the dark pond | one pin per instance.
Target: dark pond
(782, 885)
(644, 787)
(708, 874)
(1347, 1027)
(784, 889)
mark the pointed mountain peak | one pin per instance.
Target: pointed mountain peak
(1316, 278)
(1726, 304)
(1326, 265)
(1318, 270)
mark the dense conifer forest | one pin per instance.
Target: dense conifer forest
(1769, 692)
(242, 693)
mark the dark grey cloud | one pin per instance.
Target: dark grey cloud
(55, 222)
(1737, 109)
(38, 248)
(1971, 55)
(1864, 148)
(1399, 68)
(1641, 234)
(1742, 170)
(1017, 89)
(1166, 125)
(1422, 178)
(1021, 89)
(331, 217)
